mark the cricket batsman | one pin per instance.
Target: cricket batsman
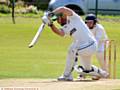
(84, 44)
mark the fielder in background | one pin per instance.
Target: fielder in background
(100, 36)
(83, 45)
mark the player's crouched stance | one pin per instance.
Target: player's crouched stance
(84, 44)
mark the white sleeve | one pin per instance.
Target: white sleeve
(101, 34)
(67, 28)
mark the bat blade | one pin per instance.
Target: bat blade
(37, 35)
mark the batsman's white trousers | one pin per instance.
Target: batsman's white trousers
(85, 56)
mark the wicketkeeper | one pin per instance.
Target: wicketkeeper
(100, 35)
(83, 45)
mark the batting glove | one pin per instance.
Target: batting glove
(46, 20)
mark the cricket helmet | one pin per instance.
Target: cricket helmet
(91, 17)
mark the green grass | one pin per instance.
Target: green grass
(47, 58)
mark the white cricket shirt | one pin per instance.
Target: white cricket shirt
(76, 28)
(100, 35)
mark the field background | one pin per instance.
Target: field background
(47, 59)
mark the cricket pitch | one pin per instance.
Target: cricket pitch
(53, 84)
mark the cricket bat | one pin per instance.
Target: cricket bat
(37, 35)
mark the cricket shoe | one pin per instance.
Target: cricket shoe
(98, 72)
(103, 74)
(96, 78)
(65, 78)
